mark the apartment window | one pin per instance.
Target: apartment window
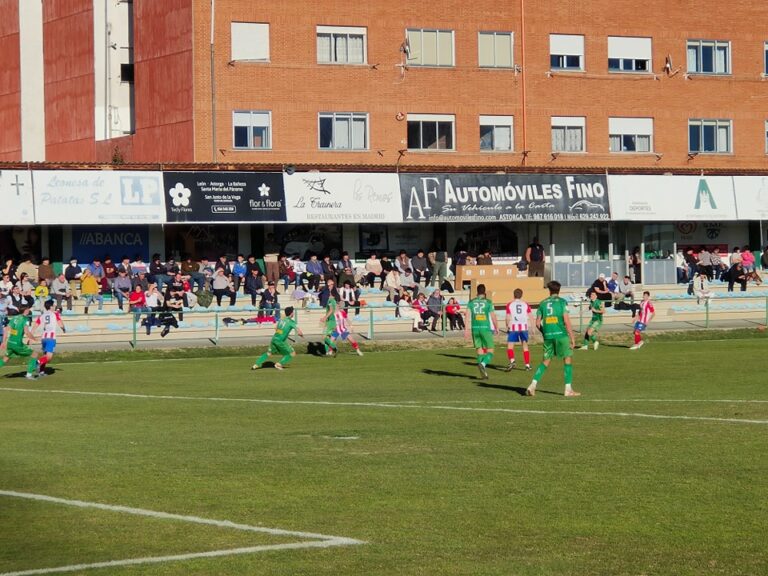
(431, 131)
(341, 45)
(709, 136)
(251, 130)
(630, 134)
(765, 62)
(496, 133)
(250, 41)
(495, 49)
(343, 131)
(626, 54)
(766, 137)
(709, 57)
(429, 47)
(568, 133)
(566, 52)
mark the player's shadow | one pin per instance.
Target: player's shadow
(21, 374)
(459, 356)
(316, 348)
(517, 389)
(431, 372)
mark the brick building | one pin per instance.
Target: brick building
(444, 86)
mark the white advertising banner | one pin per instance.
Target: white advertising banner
(751, 197)
(671, 198)
(342, 197)
(16, 198)
(98, 197)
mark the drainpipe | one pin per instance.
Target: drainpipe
(214, 153)
(523, 74)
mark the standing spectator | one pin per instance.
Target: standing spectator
(222, 286)
(45, 270)
(536, 258)
(122, 288)
(454, 315)
(239, 270)
(747, 259)
(158, 273)
(705, 263)
(764, 259)
(269, 305)
(10, 269)
(374, 270)
(438, 259)
(682, 267)
(314, 273)
(271, 258)
(254, 285)
(61, 291)
(635, 262)
(91, 290)
(73, 274)
(329, 269)
(737, 275)
(420, 266)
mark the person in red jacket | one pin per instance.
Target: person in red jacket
(455, 318)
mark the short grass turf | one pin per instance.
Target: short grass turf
(438, 472)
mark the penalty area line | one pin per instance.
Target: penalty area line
(393, 405)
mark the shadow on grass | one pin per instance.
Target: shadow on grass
(459, 356)
(518, 389)
(431, 372)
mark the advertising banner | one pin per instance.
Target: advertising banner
(211, 197)
(751, 197)
(89, 242)
(671, 198)
(343, 197)
(16, 195)
(98, 197)
(503, 197)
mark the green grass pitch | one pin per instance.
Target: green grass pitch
(659, 468)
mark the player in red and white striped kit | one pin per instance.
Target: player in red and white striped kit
(518, 312)
(644, 316)
(50, 321)
(343, 330)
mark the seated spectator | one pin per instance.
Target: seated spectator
(41, 293)
(328, 292)
(347, 275)
(329, 269)
(701, 288)
(420, 267)
(166, 318)
(747, 259)
(374, 270)
(141, 280)
(138, 265)
(300, 272)
(613, 286)
(206, 269)
(26, 287)
(45, 270)
(269, 306)
(90, 290)
(137, 301)
(345, 262)
(222, 286)
(158, 273)
(254, 285)
(175, 291)
(222, 264)
(153, 304)
(172, 266)
(191, 270)
(6, 284)
(704, 264)
(453, 312)
(61, 291)
(407, 310)
(73, 273)
(485, 258)
(737, 275)
(420, 305)
(408, 282)
(239, 270)
(122, 288)
(350, 296)
(27, 267)
(681, 267)
(392, 284)
(314, 273)
(434, 308)
(718, 266)
(287, 274)
(110, 272)
(402, 262)
(16, 301)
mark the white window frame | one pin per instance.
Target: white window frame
(432, 118)
(698, 45)
(338, 31)
(248, 30)
(495, 35)
(631, 128)
(350, 117)
(250, 126)
(496, 122)
(564, 46)
(628, 52)
(717, 123)
(569, 123)
(416, 52)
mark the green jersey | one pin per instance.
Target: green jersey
(283, 329)
(481, 310)
(17, 324)
(552, 312)
(596, 306)
(330, 323)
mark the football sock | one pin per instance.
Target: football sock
(568, 375)
(2, 362)
(488, 358)
(593, 338)
(329, 344)
(32, 365)
(262, 359)
(355, 345)
(42, 362)
(539, 372)
(533, 383)
(637, 338)
(527, 356)
(285, 359)
(511, 354)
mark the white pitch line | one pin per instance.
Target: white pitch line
(317, 540)
(391, 405)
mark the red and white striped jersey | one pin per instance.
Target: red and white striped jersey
(646, 309)
(341, 320)
(518, 312)
(49, 320)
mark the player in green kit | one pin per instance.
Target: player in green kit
(13, 341)
(329, 320)
(555, 324)
(598, 311)
(482, 317)
(279, 343)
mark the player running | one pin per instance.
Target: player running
(329, 319)
(343, 330)
(644, 317)
(518, 312)
(13, 340)
(481, 316)
(50, 321)
(597, 307)
(279, 343)
(555, 324)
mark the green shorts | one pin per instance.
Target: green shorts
(482, 338)
(595, 325)
(329, 330)
(21, 350)
(280, 347)
(560, 347)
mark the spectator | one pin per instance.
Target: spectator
(110, 272)
(138, 265)
(172, 266)
(460, 256)
(137, 301)
(691, 263)
(175, 291)
(764, 259)
(536, 258)
(10, 269)
(269, 305)
(61, 291)
(122, 288)
(737, 275)
(73, 274)
(287, 274)
(271, 258)
(45, 270)
(613, 285)
(346, 262)
(91, 290)
(453, 312)
(6, 284)
(141, 280)
(374, 270)
(347, 275)
(41, 293)
(747, 259)
(158, 273)
(407, 310)
(329, 269)
(386, 264)
(314, 273)
(701, 288)
(434, 308)
(191, 270)
(735, 256)
(300, 270)
(222, 286)
(392, 284)
(27, 267)
(222, 264)
(402, 262)
(635, 262)
(153, 304)
(328, 292)
(350, 296)
(125, 264)
(600, 287)
(438, 259)
(25, 286)
(705, 263)
(485, 259)
(239, 271)
(420, 266)
(718, 266)
(254, 285)
(16, 301)
(682, 267)
(408, 282)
